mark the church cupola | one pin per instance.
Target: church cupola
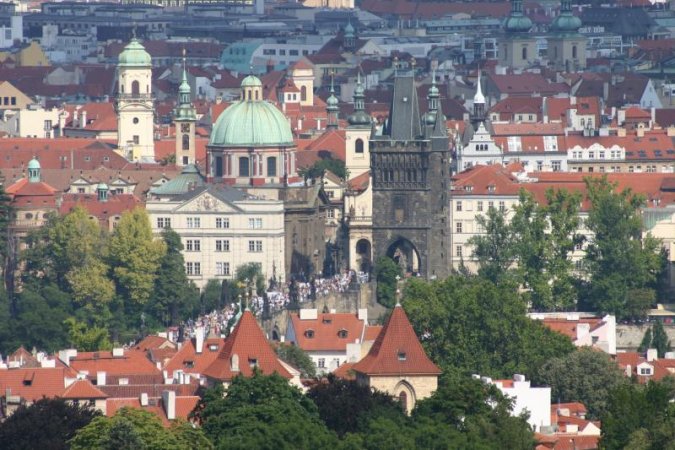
(349, 37)
(566, 22)
(332, 108)
(359, 116)
(432, 99)
(517, 22)
(185, 118)
(251, 89)
(34, 171)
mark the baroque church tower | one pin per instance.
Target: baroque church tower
(357, 134)
(566, 47)
(185, 118)
(410, 167)
(518, 48)
(135, 109)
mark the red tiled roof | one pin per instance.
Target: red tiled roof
(637, 113)
(569, 327)
(33, 383)
(360, 182)
(249, 344)
(134, 362)
(325, 331)
(302, 64)
(114, 206)
(397, 350)
(345, 371)
(528, 129)
(82, 389)
(526, 84)
(100, 116)
(153, 341)
(187, 355)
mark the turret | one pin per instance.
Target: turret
(34, 171)
(332, 108)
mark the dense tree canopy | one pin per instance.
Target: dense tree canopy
(585, 375)
(386, 271)
(476, 326)
(298, 358)
(47, 424)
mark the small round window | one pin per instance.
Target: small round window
(135, 120)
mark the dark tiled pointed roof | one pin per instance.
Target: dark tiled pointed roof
(397, 351)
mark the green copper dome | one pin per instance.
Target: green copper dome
(134, 55)
(189, 178)
(251, 81)
(566, 22)
(102, 186)
(34, 164)
(349, 30)
(517, 22)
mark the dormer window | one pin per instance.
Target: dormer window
(309, 334)
(645, 371)
(213, 347)
(327, 320)
(253, 362)
(402, 356)
(188, 364)
(342, 334)
(492, 188)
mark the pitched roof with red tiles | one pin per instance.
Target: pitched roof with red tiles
(328, 332)
(569, 327)
(526, 84)
(133, 362)
(397, 350)
(636, 113)
(60, 153)
(482, 180)
(528, 129)
(248, 343)
(360, 183)
(345, 371)
(509, 106)
(33, 383)
(100, 116)
(82, 389)
(114, 206)
(189, 361)
(24, 357)
(153, 341)
(26, 194)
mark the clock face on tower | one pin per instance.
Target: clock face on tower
(185, 127)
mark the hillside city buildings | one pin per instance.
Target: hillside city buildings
(211, 117)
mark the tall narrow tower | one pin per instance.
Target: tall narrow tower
(410, 166)
(566, 47)
(332, 108)
(185, 118)
(135, 110)
(518, 48)
(357, 134)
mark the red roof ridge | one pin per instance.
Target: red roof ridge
(83, 389)
(397, 350)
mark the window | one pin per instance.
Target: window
(402, 356)
(222, 222)
(524, 54)
(309, 334)
(458, 227)
(502, 206)
(282, 52)
(135, 120)
(322, 363)
(479, 206)
(222, 268)
(193, 268)
(293, 52)
(272, 166)
(458, 251)
(358, 146)
(163, 222)
(645, 371)
(574, 51)
(136, 139)
(135, 87)
(193, 245)
(458, 206)
(491, 205)
(186, 142)
(591, 155)
(601, 155)
(330, 214)
(243, 167)
(194, 222)
(342, 334)
(255, 223)
(255, 246)
(80, 190)
(222, 245)
(556, 166)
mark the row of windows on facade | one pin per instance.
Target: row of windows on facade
(459, 253)
(8, 101)
(631, 169)
(282, 52)
(221, 245)
(254, 223)
(459, 205)
(246, 168)
(195, 268)
(613, 154)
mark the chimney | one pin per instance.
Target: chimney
(362, 314)
(653, 111)
(75, 121)
(605, 90)
(652, 354)
(100, 379)
(144, 399)
(169, 400)
(118, 352)
(199, 339)
(83, 122)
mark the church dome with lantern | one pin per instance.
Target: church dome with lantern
(252, 121)
(134, 55)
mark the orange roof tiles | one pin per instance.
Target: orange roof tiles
(250, 346)
(345, 371)
(397, 350)
(361, 182)
(33, 383)
(134, 362)
(153, 341)
(569, 327)
(325, 332)
(82, 389)
(189, 361)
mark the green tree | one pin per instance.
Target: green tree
(133, 429)
(646, 342)
(262, 412)
(660, 339)
(40, 316)
(135, 256)
(211, 296)
(640, 416)
(493, 249)
(475, 326)
(585, 375)
(92, 288)
(87, 339)
(386, 271)
(298, 358)
(318, 169)
(175, 297)
(249, 274)
(347, 407)
(619, 260)
(47, 424)
(6, 212)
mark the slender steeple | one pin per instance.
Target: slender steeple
(359, 117)
(185, 118)
(332, 108)
(478, 101)
(432, 99)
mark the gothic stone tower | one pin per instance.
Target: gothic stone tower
(410, 165)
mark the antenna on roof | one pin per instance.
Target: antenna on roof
(133, 31)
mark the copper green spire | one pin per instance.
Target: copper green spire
(184, 110)
(517, 22)
(359, 116)
(332, 107)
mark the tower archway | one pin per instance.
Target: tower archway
(405, 254)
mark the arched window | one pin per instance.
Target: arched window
(244, 167)
(358, 146)
(219, 166)
(272, 166)
(477, 147)
(186, 142)
(135, 88)
(256, 95)
(403, 400)
(574, 51)
(303, 93)
(524, 53)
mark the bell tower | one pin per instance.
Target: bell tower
(566, 47)
(357, 134)
(185, 118)
(517, 49)
(135, 109)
